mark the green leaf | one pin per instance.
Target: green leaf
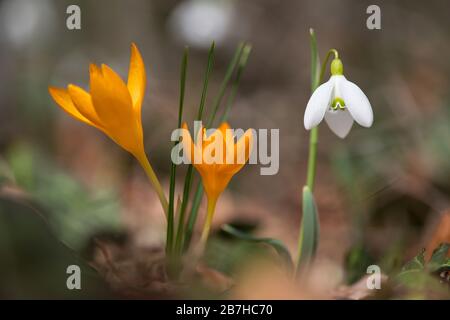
(316, 79)
(234, 86)
(73, 212)
(180, 237)
(173, 167)
(446, 264)
(439, 257)
(416, 264)
(209, 66)
(309, 230)
(34, 260)
(414, 279)
(223, 86)
(315, 61)
(236, 62)
(279, 247)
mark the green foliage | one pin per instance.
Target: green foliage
(33, 262)
(418, 275)
(229, 254)
(73, 213)
(439, 257)
(309, 230)
(437, 261)
(417, 263)
(173, 167)
(356, 262)
(276, 244)
(236, 65)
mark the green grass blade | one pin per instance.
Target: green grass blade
(209, 67)
(234, 86)
(189, 173)
(234, 63)
(315, 61)
(276, 244)
(173, 168)
(223, 86)
(193, 215)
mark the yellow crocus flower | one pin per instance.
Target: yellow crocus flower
(114, 108)
(217, 158)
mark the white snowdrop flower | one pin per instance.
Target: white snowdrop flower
(340, 102)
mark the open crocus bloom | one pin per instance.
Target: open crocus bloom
(111, 106)
(114, 108)
(217, 157)
(340, 102)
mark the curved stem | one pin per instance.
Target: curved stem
(324, 65)
(143, 160)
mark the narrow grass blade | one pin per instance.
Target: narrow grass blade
(223, 86)
(188, 178)
(315, 61)
(193, 214)
(173, 168)
(234, 63)
(234, 86)
(316, 76)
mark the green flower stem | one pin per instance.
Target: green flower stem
(207, 226)
(314, 135)
(143, 160)
(324, 65)
(309, 228)
(312, 157)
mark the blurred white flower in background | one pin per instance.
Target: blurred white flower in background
(199, 22)
(26, 23)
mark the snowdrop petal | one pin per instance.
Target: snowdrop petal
(340, 122)
(357, 103)
(317, 105)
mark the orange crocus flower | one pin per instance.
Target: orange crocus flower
(217, 158)
(114, 108)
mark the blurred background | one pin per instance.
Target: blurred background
(382, 193)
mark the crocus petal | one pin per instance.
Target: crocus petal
(227, 138)
(110, 96)
(242, 151)
(217, 136)
(357, 103)
(136, 78)
(226, 133)
(214, 182)
(214, 146)
(317, 105)
(191, 151)
(112, 102)
(340, 122)
(63, 99)
(217, 174)
(82, 101)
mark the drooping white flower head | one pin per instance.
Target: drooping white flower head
(340, 102)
